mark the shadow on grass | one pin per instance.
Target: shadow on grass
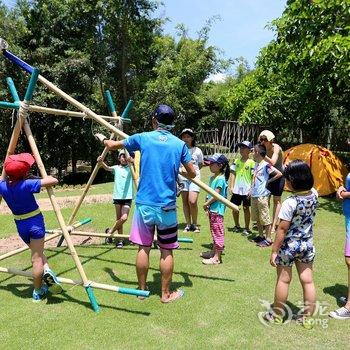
(89, 258)
(24, 291)
(153, 286)
(64, 297)
(331, 204)
(185, 274)
(337, 291)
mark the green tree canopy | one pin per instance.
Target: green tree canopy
(302, 77)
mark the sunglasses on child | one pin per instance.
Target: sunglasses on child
(262, 139)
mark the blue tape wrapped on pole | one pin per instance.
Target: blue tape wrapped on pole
(11, 105)
(31, 86)
(127, 109)
(13, 89)
(110, 102)
(16, 60)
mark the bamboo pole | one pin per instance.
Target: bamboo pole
(120, 290)
(55, 233)
(124, 114)
(53, 111)
(54, 202)
(96, 234)
(106, 235)
(13, 89)
(97, 166)
(80, 106)
(22, 114)
(86, 282)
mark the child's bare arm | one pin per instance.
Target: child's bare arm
(103, 164)
(274, 158)
(277, 175)
(342, 193)
(280, 235)
(49, 181)
(210, 201)
(113, 145)
(190, 171)
(232, 180)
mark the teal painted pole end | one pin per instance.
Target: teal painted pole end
(110, 102)
(131, 291)
(11, 105)
(85, 221)
(32, 83)
(13, 89)
(185, 240)
(92, 299)
(127, 109)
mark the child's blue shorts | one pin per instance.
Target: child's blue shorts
(31, 228)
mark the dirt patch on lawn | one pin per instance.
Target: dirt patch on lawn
(14, 242)
(63, 202)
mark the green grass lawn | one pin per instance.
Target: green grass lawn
(64, 192)
(219, 310)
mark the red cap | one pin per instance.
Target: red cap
(18, 165)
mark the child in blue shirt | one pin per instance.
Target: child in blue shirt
(260, 195)
(18, 193)
(122, 193)
(219, 166)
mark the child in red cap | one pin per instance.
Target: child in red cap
(18, 192)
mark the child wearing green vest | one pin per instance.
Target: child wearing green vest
(241, 178)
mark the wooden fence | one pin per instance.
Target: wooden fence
(225, 138)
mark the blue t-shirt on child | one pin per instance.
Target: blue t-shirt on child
(262, 172)
(19, 195)
(346, 202)
(218, 182)
(161, 155)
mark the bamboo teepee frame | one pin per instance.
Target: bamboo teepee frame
(24, 108)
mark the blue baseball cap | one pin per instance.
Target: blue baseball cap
(245, 144)
(216, 158)
(164, 114)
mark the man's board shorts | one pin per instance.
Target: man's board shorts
(148, 218)
(347, 238)
(238, 199)
(31, 228)
(189, 186)
(123, 202)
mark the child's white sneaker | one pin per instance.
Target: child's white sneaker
(340, 314)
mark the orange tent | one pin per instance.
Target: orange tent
(328, 170)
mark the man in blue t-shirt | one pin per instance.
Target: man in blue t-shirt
(161, 156)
